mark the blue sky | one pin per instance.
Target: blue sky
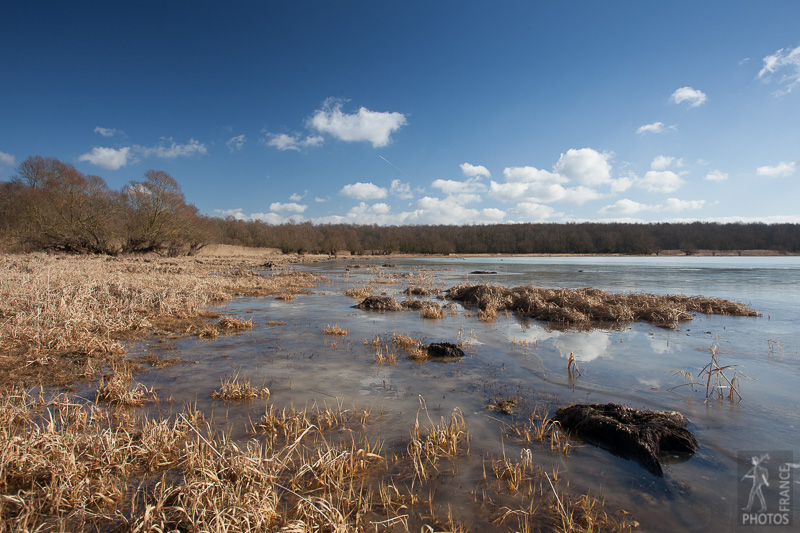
(418, 112)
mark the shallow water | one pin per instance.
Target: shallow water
(301, 365)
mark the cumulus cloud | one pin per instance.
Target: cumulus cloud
(107, 132)
(429, 210)
(472, 185)
(401, 190)
(533, 211)
(364, 125)
(717, 175)
(173, 149)
(236, 143)
(290, 207)
(687, 94)
(786, 61)
(7, 159)
(660, 181)
(663, 162)
(108, 158)
(585, 166)
(363, 191)
(531, 175)
(283, 141)
(295, 197)
(475, 170)
(781, 170)
(629, 207)
(267, 218)
(655, 127)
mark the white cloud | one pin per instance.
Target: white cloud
(401, 190)
(673, 204)
(295, 197)
(660, 181)
(623, 207)
(431, 210)
(7, 159)
(174, 149)
(108, 158)
(540, 192)
(321, 200)
(533, 211)
(287, 207)
(784, 60)
(107, 132)
(663, 162)
(687, 94)
(475, 170)
(585, 166)
(781, 170)
(364, 125)
(655, 127)
(629, 207)
(363, 191)
(283, 141)
(471, 185)
(717, 175)
(531, 175)
(236, 143)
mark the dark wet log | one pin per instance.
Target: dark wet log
(379, 303)
(641, 435)
(444, 350)
(483, 272)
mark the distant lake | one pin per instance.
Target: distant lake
(518, 356)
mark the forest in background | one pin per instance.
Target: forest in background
(50, 205)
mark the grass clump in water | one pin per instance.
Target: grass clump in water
(234, 388)
(587, 308)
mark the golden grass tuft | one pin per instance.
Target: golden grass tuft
(118, 389)
(334, 330)
(234, 388)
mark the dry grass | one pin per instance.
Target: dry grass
(74, 466)
(587, 308)
(360, 292)
(234, 388)
(61, 314)
(334, 330)
(118, 389)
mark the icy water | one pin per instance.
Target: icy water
(513, 356)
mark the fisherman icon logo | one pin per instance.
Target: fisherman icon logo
(766, 485)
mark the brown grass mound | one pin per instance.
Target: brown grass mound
(379, 303)
(592, 307)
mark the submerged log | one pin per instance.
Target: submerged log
(642, 435)
(379, 303)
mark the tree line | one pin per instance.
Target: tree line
(50, 205)
(521, 238)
